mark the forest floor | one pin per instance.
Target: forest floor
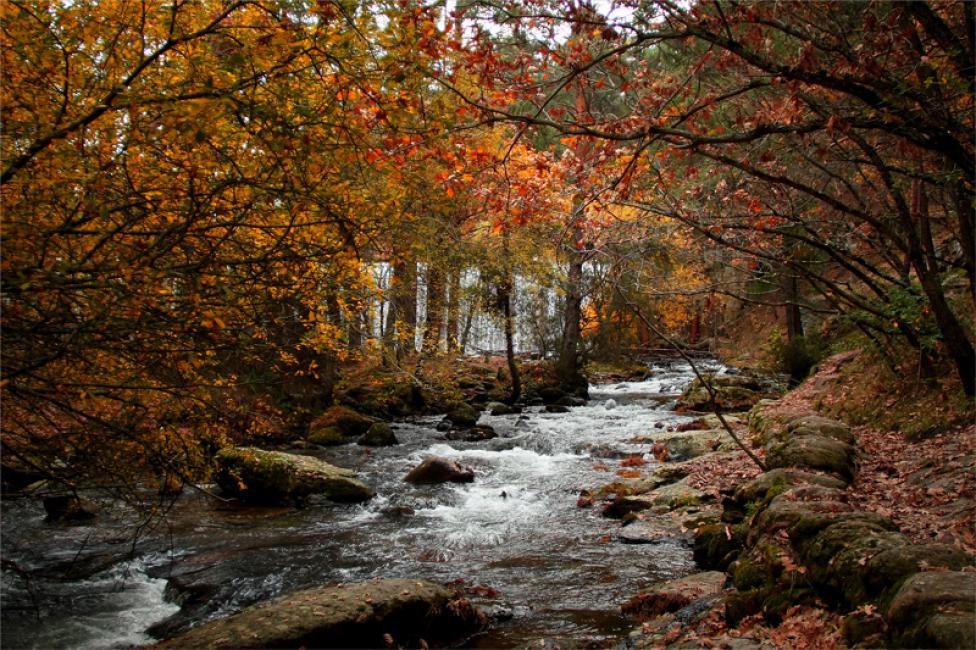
(917, 465)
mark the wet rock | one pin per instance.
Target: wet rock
(674, 595)
(472, 434)
(646, 532)
(273, 477)
(556, 408)
(444, 425)
(329, 437)
(500, 408)
(69, 508)
(347, 422)
(410, 612)
(440, 470)
(380, 434)
(814, 452)
(551, 394)
(571, 400)
(462, 415)
(934, 610)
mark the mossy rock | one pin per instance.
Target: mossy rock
(817, 424)
(274, 477)
(934, 610)
(776, 481)
(698, 443)
(412, 613)
(328, 437)
(716, 546)
(813, 452)
(380, 434)
(743, 604)
(463, 415)
(347, 421)
(838, 558)
(864, 630)
(803, 520)
(888, 568)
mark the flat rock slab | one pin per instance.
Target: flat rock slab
(646, 532)
(673, 595)
(274, 477)
(411, 612)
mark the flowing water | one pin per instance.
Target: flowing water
(541, 566)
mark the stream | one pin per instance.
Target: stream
(533, 560)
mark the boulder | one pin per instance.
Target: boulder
(463, 415)
(675, 594)
(813, 452)
(69, 508)
(328, 437)
(698, 443)
(890, 566)
(732, 393)
(776, 481)
(718, 545)
(344, 420)
(500, 408)
(556, 408)
(380, 434)
(839, 557)
(439, 470)
(934, 610)
(821, 426)
(472, 434)
(551, 394)
(404, 613)
(274, 477)
(805, 516)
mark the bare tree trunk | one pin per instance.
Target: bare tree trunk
(505, 288)
(567, 366)
(453, 309)
(435, 310)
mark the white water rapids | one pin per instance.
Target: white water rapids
(555, 571)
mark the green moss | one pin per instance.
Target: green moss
(748, 575)
(328, 437)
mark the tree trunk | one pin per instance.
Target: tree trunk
(567, 367)
(453, 309)
(435, 310)
(402, 317)
(506, 288)
(794, 319)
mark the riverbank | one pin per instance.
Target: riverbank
(825, 560)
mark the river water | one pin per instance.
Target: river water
(541, 566)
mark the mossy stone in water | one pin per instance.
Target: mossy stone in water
(328, 437)
(380, 434)
(345, 420)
